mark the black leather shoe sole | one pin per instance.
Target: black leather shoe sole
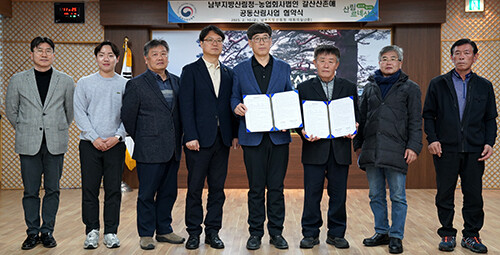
(192, 244)
(308, 244)
(396, 250)
(339, 244)
(253, 244)
(49, 244)
(29, 246)
(279, 246)
(253, 247)
(371, 242)
(215, 245)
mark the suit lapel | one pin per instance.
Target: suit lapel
(337, 88)
(225, 80)
(251, 78)
(151, 81)
(202, 67)
(31, 82)
(274, 78)
(316, 84)
(53, 86)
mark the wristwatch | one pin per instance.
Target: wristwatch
(119, 137)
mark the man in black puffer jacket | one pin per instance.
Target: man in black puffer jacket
(389, 139)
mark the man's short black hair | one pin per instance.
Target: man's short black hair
(39, 40)
(112, 45)
(462, 42)
(155, 43)
(204, 32)
(259, 28)
(327, 49)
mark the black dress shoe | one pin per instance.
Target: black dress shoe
(308, 242)
(253, 243)
(193, 242)
(338, 242)
(31, 241)
(48, 240)
(214, 241)
(395, 245)
(279, 242)
(377, 239)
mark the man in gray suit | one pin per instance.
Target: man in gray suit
(150, 114)
(39, 105)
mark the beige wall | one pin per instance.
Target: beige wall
(484, 29)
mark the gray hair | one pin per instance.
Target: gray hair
(154, 43)
(394, 48)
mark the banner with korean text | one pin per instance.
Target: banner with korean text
(199, 11)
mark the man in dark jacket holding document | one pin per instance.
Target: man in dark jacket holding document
(328, 158)
(389, 139)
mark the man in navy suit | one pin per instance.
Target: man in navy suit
(208, 124)
(328, 158)
(265, 153)
(150, 114)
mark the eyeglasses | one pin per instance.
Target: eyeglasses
(211, 40)
(40, 51)
(393, 59)
(264, 39)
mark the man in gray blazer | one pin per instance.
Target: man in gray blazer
(39, 105)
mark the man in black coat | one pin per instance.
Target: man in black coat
(389, 139)
(150, 114)
(459, 114)
(328, 158)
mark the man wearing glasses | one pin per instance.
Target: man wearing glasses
(39, 105)
(209, 130)
(389, 139)
(265, 153)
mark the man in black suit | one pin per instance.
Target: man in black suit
(328, 158)
(209, 130)
(150, 114)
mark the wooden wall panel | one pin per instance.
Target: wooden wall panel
(6, 8)
(133, 13)
(411, 12)
(138, 36)
(422, 62)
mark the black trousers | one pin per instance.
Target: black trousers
(314, 179)
(210, 164)
(266, 166)
(96, 166)
(448, 167)
(32, 169)
(156, 197)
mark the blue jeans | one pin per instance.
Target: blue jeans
(378, 202)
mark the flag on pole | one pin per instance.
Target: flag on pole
(127, 74)
(127, 61)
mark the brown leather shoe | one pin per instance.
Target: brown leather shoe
(170, 238)
(147, 243)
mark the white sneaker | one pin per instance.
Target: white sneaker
(111, 241)
(92, 240)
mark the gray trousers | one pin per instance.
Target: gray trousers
(32, 169)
